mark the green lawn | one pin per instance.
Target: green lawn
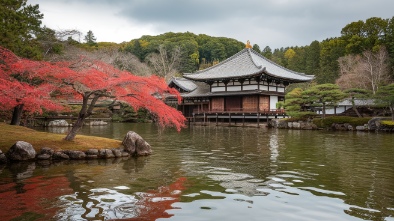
(10, 134)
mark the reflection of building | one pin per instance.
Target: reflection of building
(246, 86)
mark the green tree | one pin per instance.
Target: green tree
(312, 58)
(90, 39)
(256, 47)
(385, 97)
(294, 104)
(19, 24)
(323, 95)
(331, 50)
(389, 43)
(361, 36)
(267, 52)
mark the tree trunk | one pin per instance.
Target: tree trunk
(355, 110)
(76, 127)
(17, 114)
(324, 110)
(86, 111)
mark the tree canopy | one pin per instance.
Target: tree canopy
(19, 25)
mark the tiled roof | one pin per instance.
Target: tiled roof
(247, 63)
(183, 83)
(202, 90)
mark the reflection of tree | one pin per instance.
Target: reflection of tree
(32, 197)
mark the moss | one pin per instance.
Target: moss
(387, 123)
(328, 121)
(10, 134)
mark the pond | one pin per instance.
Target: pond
(213, 173)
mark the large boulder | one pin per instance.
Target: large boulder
(21, 151)
(135, 145)
(58, 123)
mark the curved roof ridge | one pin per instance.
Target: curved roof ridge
(251, 58)
(280, 66)
(221, 63)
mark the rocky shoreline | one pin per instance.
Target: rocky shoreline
(133, 145)
(373, 125)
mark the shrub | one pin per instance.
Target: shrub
(328, 121)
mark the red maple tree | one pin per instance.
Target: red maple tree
(23, 91)
(92, 81)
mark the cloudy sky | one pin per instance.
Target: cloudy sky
(274, 23)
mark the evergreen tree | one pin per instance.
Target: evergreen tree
(267, 52)
(19, 23)
(312, 58)
(90, 39)
(323, 95)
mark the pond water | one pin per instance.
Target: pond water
(213, 173)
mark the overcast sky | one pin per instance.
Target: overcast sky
(274, 23)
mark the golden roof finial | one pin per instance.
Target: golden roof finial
(248, 45)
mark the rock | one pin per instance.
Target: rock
(117, 152)
(43, 157)
(106, 153)
(58, 123)
(125, 154)
(290, 124)
(59, 155)
(136, 145)
(336, 126)
(92, 152)
(296, 125)
(91, 156)
(277, 123)
(21, 151)
(76, 154)
(98, 123)
(46, 150)
(3, 158)
(360, 128)
(374, 123)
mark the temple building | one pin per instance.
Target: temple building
(244, 87)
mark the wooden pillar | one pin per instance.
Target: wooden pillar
(258, 119)
(243, 120)
(229, 119)
(204, 119)
(194, 119)
(216, 119)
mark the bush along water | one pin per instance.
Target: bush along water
(335, 123)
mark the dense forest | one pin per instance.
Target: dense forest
(362, 57)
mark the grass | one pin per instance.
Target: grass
(387, 123)
(9, 134)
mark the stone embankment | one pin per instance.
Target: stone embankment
(373, 125)
(133, 145)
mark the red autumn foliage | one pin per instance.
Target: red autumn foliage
(14, 92)
(91, 81)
